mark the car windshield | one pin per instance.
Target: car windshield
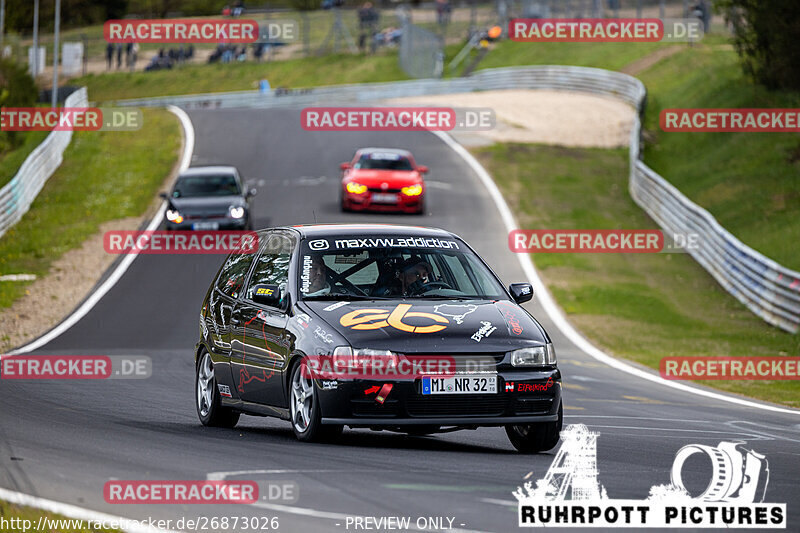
(214, 185)
(381, 267)
(383, 161)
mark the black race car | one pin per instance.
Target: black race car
(209, 198)
(374, 326)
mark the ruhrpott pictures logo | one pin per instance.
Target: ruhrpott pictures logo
(570, 494)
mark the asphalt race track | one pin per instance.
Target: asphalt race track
(63, 440)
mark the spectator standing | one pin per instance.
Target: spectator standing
(134, 55)
(119, 55)
(109, 55)
(367, 22)
(443, 12)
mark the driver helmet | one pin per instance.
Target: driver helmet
(414, 273)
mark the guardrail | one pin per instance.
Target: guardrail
(18, 194)
(768, 289)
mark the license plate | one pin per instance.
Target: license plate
(206, 226)
(460, 385)
(384, 198)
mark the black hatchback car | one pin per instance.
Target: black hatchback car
(209, 198)
(374, 326)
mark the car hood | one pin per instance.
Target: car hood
(393, 178)
(209, 205)
(419, 326)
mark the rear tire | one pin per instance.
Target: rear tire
(207, 400)
(306, 413)
(536, 438)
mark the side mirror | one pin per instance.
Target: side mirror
(252, 192)
(163, 195)
(422, 169)
(344, 166)
(521, 292)
(267, 295)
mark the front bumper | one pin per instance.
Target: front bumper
(405, 405)
(363, 202)
(224, 223)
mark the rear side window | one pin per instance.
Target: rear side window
(232, 276)
(272, 265)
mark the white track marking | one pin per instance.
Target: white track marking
(18, 277)
(439, 185)
(74, 512)
(555, 314)
(222, 476)
(126, 262)
(583, 378)
(495, 501)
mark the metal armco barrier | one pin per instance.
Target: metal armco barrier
(768, 289)
(18, 194)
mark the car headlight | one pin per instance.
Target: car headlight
(412, 190)
(174, 216)
(356, 188)
(534, 356)
(236, 212)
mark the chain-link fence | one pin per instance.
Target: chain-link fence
(421, 52)
(346, 30)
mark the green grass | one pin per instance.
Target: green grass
(313, 71)
(22, 519)
(13, 159)
(641, 307)
(96, 183)
(749, 181)
(612, 56)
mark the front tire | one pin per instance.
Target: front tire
(207, 399)
(306, 413)
(536, 438)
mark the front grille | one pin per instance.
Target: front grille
(473, 405)
(532, 406)
(376, 189)
(464, 358)
(205, 217)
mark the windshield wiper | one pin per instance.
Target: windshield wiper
(443, 297)
(345, 297)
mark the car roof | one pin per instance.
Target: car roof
(351, 230)
(397, 151)
(209, 170)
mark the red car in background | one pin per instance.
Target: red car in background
(383, 179)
